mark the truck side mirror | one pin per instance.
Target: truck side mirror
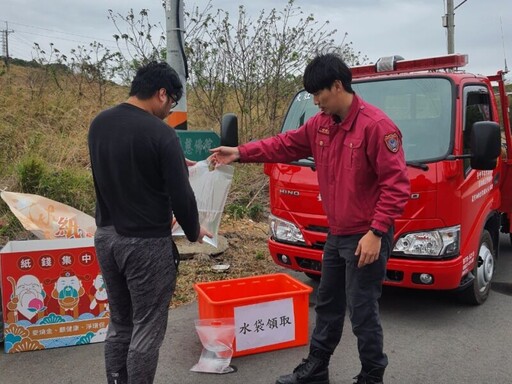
(229, 130)
(485, 143)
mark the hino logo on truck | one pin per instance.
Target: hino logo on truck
(289, 192)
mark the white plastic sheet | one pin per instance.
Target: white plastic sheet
(48, 219)
(211, 188)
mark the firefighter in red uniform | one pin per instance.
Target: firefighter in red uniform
(364, 187)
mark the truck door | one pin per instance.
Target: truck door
(476, 107)
(477, 185)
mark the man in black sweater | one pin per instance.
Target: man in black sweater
(141, 179)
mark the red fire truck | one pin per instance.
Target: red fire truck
(459, 164)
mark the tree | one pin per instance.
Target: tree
(51, 62)
(140, 43)
(95, 67)
(248, 66)
(254, 65)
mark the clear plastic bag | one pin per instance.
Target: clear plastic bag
(217, 336)
(211, 188)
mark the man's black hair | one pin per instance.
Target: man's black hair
(324, 70)
(154, 76)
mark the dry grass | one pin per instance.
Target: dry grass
(39, 119)
(247, 255)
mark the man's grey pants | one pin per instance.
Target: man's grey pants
(140, 278)
(344, 285)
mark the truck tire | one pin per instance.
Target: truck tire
(483, 272)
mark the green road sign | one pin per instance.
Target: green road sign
(196, 144)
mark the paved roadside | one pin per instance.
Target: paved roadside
(180, 351)
(429, 337)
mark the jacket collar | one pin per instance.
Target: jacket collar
(355, 107)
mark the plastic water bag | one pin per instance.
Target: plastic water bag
(217, 336)
(211, 189)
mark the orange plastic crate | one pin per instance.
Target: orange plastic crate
(219, 299)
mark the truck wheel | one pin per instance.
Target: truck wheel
(483, 272)
(313, 276)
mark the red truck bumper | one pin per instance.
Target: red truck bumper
(406, 273)
(300, 259)
(400, 273)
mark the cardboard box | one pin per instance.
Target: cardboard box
(270, 311)
(53, 294)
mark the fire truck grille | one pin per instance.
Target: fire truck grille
(312, 265)
(317, 228)
(318, 245)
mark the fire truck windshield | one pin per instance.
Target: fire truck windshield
(421, 107)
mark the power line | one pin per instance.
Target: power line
(459, 5)
(18, 47)
(28, 38)
(52, 30)
(21, 30)
(22, 40)
(61, 38)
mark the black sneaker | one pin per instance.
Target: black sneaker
(311, 371)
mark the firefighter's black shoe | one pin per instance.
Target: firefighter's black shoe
(375, 376)
(312, 370)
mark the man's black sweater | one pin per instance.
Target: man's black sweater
(140, 175)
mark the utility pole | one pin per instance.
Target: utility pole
(449, 24)
(5, 43)
(176, 58)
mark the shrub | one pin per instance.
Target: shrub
(256, 212)
(72, 186)
(236, 211)
(30, 172)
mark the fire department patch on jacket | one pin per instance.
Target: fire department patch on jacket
(392, 142)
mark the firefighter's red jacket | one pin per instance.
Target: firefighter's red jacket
(360, 163)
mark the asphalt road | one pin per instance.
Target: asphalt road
(430, 337)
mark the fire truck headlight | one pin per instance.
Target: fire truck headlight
(283, 230)
(443, 242)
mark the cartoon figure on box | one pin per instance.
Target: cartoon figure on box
(67, 291)
(27, 299)
(98, 295)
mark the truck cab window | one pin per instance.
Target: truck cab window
(420, 107)
(476, 108)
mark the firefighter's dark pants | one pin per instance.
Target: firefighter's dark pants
(344, 285)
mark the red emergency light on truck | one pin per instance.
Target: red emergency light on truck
(448, 236)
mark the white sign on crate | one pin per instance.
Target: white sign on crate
(262, 324)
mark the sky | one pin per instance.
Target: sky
(377, 28)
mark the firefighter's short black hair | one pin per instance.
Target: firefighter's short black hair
(324, 70)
